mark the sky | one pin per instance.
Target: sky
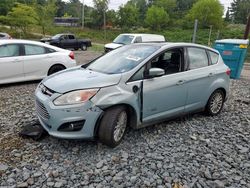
(114, 4)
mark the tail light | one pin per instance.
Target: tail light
(228, 72)
(72, 55)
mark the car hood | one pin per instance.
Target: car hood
(113, 45)
(79, 78)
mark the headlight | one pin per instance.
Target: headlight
(75, 97)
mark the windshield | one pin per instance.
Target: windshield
(56, 36)
(123, 39)
(122, 59)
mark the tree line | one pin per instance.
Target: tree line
(153, 14)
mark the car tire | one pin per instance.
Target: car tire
(215, 103)
(55, 68)
(75, 48)
(113, 126)
(83, 47)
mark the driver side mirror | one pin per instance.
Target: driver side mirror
(154, 72)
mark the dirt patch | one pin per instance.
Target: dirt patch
(83, 57)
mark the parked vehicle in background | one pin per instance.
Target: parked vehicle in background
(136, 85)
(5, 36)
(130, 38)
(65, 40)
(23, 60)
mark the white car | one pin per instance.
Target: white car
(130, 38)
(24, 60)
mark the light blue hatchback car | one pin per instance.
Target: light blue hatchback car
(136, 85)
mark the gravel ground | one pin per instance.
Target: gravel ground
(195, 151)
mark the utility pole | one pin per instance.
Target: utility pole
(195, 31)
(104, 23)
(82, 14)
(210, 33)
(247, 28)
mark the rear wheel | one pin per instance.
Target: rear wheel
(215, 103)
(83, 47)
(75, 48)
(55, 68)
(113, 126)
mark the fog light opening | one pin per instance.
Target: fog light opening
(72, 126)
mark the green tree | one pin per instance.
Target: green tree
(128, 16)
(156, 17)
(5, 6)
(168, 5)
(111, 18)
(45, 14)
(184, 5)
(60, 8)
(21, 16)
(240, 11)
(74, 8)
(101, 6)
(208, 12)
(228, 17)
(142, 7)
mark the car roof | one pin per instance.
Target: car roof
(64, 34)
(140, 34)
(175, 44)
(21, 41)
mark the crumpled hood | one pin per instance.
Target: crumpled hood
(113, 45)
(79, 78)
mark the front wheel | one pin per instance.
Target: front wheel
(113, 126)
(215, 103)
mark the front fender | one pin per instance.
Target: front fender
(114, 95)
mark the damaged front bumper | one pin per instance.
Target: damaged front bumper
(67, 122)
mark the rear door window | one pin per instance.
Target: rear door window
(9, 50)
(50, 50)
(34, 49)
(214, 57)
(197, 58)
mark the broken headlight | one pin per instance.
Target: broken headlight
(75, 97)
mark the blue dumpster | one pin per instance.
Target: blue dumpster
(233, 52)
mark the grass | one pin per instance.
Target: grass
(97, 47)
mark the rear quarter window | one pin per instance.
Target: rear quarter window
(197, 58)
(214, 57)
(34, 49)
(50, 50)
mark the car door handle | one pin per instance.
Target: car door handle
(180, 82)
(210, 74)
(16, 60)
